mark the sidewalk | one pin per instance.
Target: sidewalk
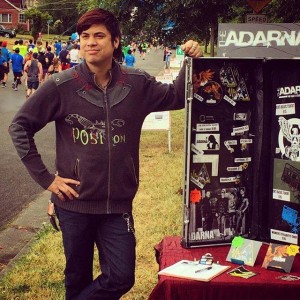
(15, 240)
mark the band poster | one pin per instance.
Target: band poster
(220, 155)
(285, 200)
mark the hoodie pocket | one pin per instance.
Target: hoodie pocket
(124, 180)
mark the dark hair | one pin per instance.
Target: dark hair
(99, 16)
(35, 55)
(129, 51)
(103, 17)
(17, 50)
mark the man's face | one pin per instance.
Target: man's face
(96, 46)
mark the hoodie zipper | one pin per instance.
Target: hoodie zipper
(109, 151)
(104, 90)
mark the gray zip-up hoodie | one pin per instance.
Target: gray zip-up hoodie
(97, 132)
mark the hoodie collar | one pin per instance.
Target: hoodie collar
(88, 75)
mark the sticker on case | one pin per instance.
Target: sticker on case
(285, 109)
(208, 141)
(241, 92)
(281, 195)
(240, 130)
(289, 138)
(290, 215)
(242, 159)
(284, 236)
(229, 100)
(211, 158)
(228, 76)
(207, 127)
(212, 93)
(195, 196)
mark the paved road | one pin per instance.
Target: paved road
(17, 189)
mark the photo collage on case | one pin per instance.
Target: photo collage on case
(221, 151)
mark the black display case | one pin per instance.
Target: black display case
(242, 150)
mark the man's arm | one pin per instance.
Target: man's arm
(40, 71)
(31, 118)
(27, 65)
(164, 97)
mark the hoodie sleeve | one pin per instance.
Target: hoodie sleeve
(40, 109)
(162, 96)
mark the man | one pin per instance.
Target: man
(3, 66)
(95, 105)
(57, 47)
(222, 211)
(167, 57)
(23, 48)
(17, 67)
(6, 56)
(232, 199)
(206, 213)
(34, 71)
(64, 57)
(129, 59)
(242, 208)
(49, 56)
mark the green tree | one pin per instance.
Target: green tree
(64, 14)
(279, 11)
(196, 19)
(38, 20)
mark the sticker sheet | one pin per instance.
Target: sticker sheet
(285, 195)
(221, 152)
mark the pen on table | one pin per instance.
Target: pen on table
(200, 270)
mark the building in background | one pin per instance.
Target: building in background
(12, 13)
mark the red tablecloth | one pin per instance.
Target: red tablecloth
(264, 286)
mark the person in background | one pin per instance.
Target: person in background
(129, 59)
(6, 56)
(3, 66)
(49, 56)
(42, 59)
(17, 63)
(167, 57)
(64, 57)
(30, 44)
(74, 56)
(27, 57)
(55, 67)
(120, 58)
(96, 177)
(39, 47)
(69, 45)
(144, 49)
(16, 45)
(57, 47)
(34, 70)
(23, 48)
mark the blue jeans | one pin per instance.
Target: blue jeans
(114, 237)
